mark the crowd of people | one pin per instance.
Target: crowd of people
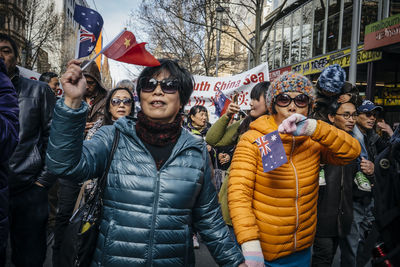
(176, 180)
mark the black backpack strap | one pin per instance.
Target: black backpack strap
(103, 179)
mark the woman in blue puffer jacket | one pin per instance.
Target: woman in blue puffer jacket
(159, 186)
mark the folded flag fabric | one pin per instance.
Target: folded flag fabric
(125, 49)
(91, 24)
(272, 152)
(221, 103)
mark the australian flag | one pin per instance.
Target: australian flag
(221, 103)
(91, 24)
(272, 152)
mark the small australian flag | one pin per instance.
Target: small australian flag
(221, 103)
(91, 24)
(272, 152)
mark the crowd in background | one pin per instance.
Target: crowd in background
(174, 171)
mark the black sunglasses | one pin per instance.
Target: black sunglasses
(371, 114)
(284, 100)
(125, 101)
(168, 86)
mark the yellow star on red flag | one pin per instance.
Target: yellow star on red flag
(127, 42)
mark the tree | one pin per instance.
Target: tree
(41, 31)
(172, 33)
(244, 19)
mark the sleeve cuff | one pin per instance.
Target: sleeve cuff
(253, 245)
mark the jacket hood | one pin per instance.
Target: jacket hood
(266, 124)
(93, 71)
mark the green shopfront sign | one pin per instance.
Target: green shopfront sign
(382, 33)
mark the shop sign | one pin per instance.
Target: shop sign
(276, 73)
(382, 33)
(342, 58)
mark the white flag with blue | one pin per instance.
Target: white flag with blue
(272, 151)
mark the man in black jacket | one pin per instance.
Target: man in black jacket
(335, 209)
(28, 177)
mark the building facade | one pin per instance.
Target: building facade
(309, 35)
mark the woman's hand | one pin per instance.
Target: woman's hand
(232, 109)
(223, 158)
(74, 84)
(385, 127)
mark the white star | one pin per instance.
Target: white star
(266, 164)
(83, 13)
(273, 138)
(272, 166)
(98, 23)
(91, 12)
(281, 157)
(270, 157)
(90, 26)
(87, 18)
(90, 48)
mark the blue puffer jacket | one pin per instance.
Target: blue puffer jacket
(149, 215)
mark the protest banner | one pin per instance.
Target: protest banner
(33, 75)
(206, 87)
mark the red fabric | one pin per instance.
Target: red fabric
(226, 104)
(126, 49)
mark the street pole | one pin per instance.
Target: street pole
(355, 33)
(219, 11)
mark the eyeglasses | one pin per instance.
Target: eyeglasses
(125, 101)
(370, 114)
(168, 86)
(284, 100)
(347, 116)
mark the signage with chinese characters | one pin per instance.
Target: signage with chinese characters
(382, 33)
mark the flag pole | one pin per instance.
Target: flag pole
(78, 37)
(102, 50)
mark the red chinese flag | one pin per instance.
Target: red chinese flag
(126, 49)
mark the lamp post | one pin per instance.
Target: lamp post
(219, 11)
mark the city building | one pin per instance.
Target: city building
(308, 35)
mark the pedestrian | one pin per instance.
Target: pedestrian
(9, 126)
(119, 103)
(274, 213)
(335, 202)
(363, 202)
(28, 176)
(51, 79)
(158, 188)
(223, 135)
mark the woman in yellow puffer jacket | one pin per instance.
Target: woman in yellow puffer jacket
(274, 213)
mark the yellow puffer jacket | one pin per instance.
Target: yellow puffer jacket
(279, 207)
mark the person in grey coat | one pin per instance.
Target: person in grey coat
(159, 188)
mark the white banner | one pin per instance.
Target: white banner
(206, 87)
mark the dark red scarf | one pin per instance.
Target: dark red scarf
(158, 134)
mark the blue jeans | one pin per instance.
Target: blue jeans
(297, 259)
(353, 243)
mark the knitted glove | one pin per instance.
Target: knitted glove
(253, 254)
(297, 125)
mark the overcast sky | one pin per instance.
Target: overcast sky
(115, 15)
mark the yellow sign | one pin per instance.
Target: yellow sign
(342, 58)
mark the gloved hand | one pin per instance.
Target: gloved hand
(253, 254)
(298, 125)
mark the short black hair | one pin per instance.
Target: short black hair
(194, 110)
(6, 37)
(185, 79)
(47, 76)
(107, 115)
(258, 90)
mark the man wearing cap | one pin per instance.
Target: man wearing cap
(69, 190)
(274, 213)
(371, 145)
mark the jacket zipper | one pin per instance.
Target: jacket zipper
(297, 194)
(153, 222)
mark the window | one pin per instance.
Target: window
(369, 14)
(333, 26)
(296, 36)
(271, 48)
(278, 43)
(319, 19)
(306, 31)
(347, 21)
(287, 28)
